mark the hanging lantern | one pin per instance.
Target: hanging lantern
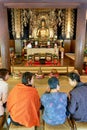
(20, 19)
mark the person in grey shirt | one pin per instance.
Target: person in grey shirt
(77, 105)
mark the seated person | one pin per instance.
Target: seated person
(77, 105)
(4, 76)
(23, 102)
(54, 103)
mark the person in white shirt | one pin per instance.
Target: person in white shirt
(4, 75)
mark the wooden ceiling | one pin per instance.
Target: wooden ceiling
(43, 3)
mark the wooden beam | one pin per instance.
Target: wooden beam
(43, 1)
(42, 5)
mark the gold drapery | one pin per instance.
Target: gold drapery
(33, 17)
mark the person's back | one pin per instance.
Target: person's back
(78, 107)
(4, 75)
(54, 104)
(77, 104)
(23, 104)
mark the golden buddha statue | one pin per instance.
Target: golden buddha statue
(43, 32)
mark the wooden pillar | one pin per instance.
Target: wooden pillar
(80, 38)
(4, 38)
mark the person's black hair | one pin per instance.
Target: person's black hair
(53, 82)
(74, 76)
(3, 73)
(26, 77)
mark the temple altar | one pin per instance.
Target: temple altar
(32, 51)
(43, 31)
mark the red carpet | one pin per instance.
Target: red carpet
(47, 63)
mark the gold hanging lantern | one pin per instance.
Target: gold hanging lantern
(69, 23)
(20, 18)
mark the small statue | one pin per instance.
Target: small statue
(54, 73)
(39, 75)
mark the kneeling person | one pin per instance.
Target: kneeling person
(23, 103)
(77, 105)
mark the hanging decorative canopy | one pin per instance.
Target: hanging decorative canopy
(55, 19)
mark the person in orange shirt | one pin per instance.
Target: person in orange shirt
(23, 103)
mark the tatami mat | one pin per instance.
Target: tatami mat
(41, 85)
